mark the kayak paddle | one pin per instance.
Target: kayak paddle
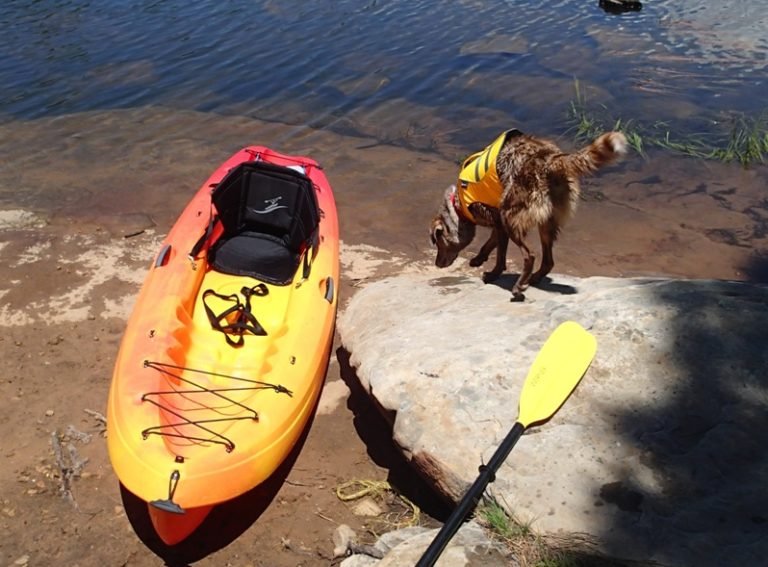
(555, 372)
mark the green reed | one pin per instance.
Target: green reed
(501, 523)
(746, 143)
(532, 549)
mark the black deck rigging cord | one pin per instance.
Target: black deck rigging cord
(218, 392)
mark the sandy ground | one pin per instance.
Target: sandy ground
(77, 235)
(57, 359)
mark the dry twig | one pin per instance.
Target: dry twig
(70, 466)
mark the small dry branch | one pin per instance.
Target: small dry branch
(69, 463)
(97, 416)
(100, 418)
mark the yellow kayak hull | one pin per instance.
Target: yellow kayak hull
(192, 420)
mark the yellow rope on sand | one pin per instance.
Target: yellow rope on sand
(360, 488)
(373, 487)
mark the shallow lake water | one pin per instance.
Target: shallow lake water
(389, 96)
(114, 112)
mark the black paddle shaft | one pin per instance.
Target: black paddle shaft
(471, 497)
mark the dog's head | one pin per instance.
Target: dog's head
(449, 232)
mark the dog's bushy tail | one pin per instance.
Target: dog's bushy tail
(607, 148)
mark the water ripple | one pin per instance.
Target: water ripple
(497, 61)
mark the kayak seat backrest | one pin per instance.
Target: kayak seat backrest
(270, 216)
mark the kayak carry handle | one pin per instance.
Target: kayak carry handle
(169, 505)
(162, 257)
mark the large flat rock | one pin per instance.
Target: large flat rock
(659, 453)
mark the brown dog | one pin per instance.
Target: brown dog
(516, 184)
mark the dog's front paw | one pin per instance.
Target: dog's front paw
(517, 296)
(478, 261)
(490, 276)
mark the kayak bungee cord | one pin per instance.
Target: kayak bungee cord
(218, 392)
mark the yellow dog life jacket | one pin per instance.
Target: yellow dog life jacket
(478, 179)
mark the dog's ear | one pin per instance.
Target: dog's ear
(449, 207)
(449, 195)
(436, 230)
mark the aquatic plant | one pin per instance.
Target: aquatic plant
(745, 143)
(588, 124)
(748, 142)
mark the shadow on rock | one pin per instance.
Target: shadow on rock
(706, 441)
(547, 284)
(507, 281)
(374, 426)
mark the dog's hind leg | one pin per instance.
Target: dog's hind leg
(525, 274)
(547, 233)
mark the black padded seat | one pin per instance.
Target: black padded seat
(255, 254)
(270, 218)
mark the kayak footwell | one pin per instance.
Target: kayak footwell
(174, 527)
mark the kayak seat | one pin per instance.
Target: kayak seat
(259, 255)
(270, 216)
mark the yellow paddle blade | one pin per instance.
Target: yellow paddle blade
(558, 367)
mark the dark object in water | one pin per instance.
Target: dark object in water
(620, 6)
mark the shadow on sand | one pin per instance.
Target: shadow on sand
(374, 427)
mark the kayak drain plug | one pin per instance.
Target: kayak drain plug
(169, 505)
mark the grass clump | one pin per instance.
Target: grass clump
(537, 550)
(588, 125)
(500, 523)
(746, 143)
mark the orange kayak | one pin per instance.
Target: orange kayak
(226, 350)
